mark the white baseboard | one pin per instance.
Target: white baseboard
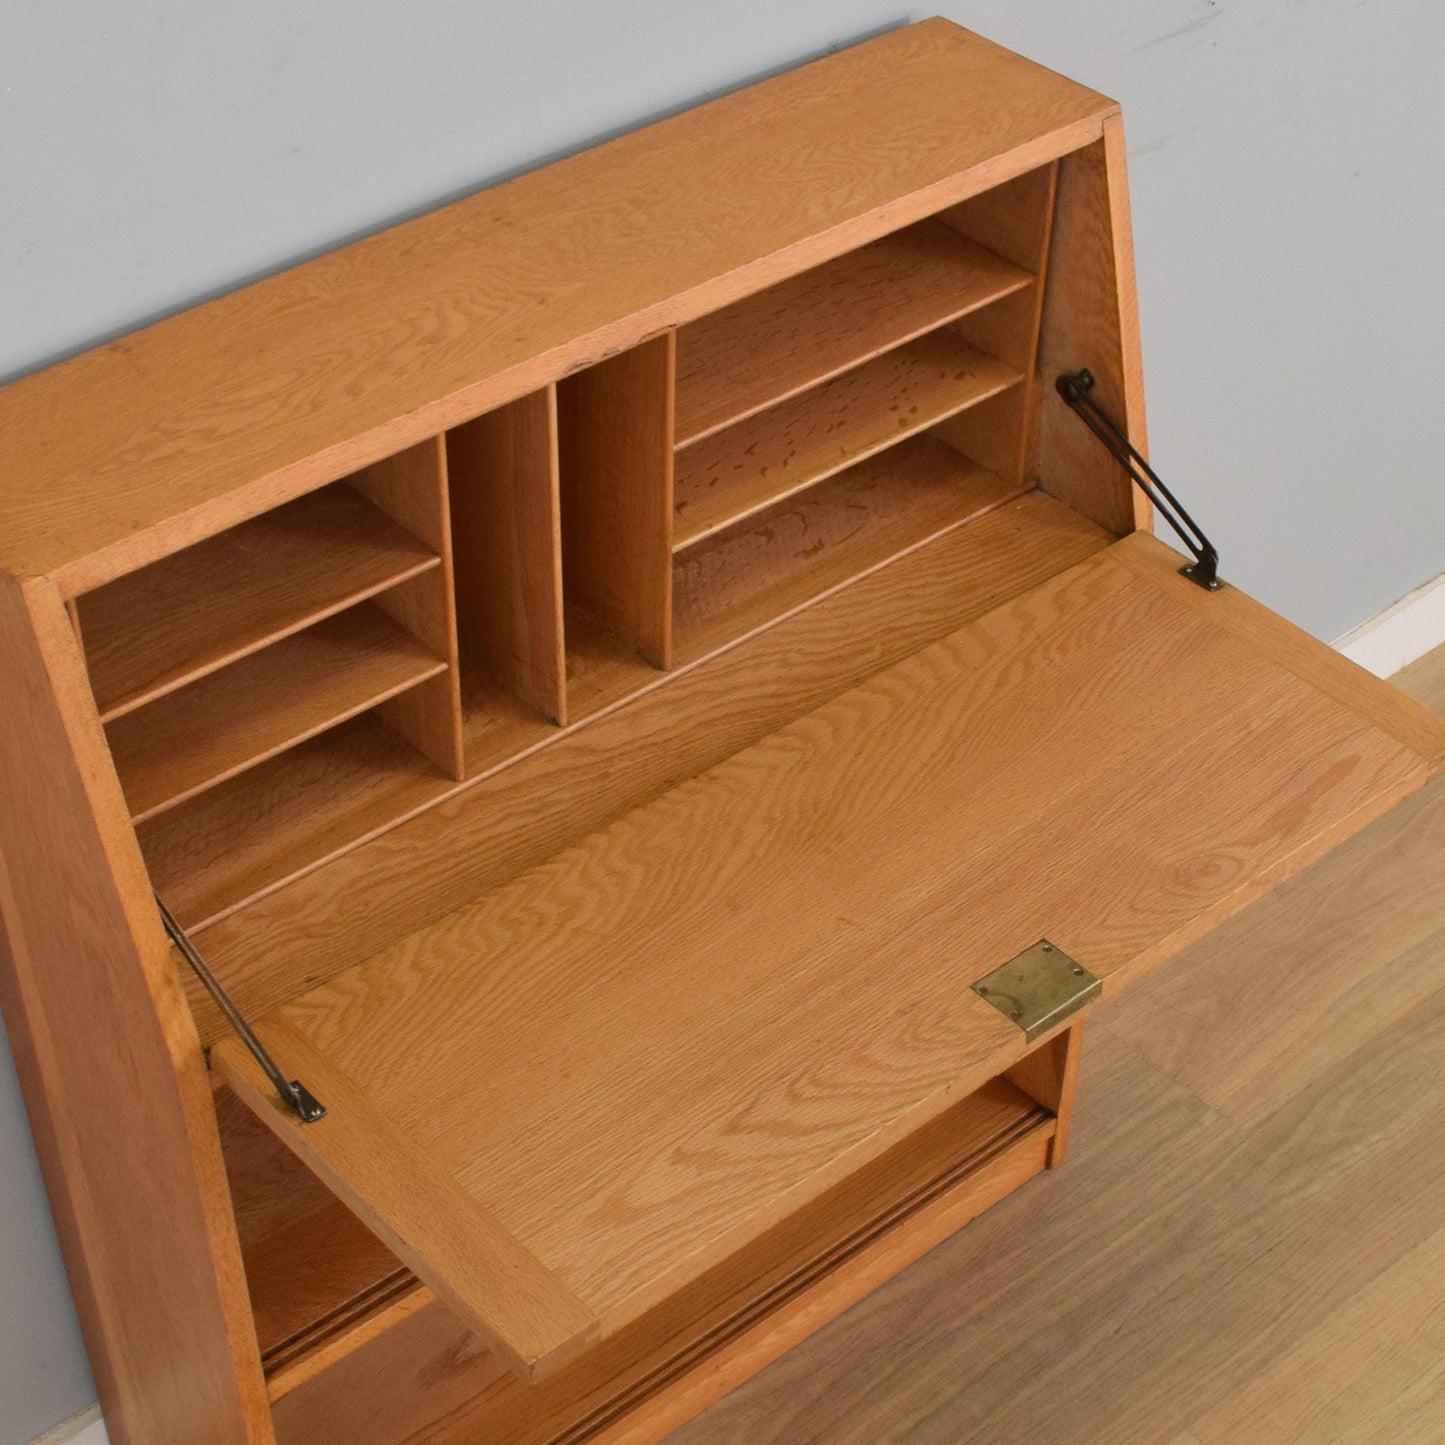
(86, 1428)
(1394, 638)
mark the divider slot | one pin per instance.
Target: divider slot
(616, 421)
(507, 556)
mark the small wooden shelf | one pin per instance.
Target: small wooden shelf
(801, 549)
(178, 619)
(278, 820)
(776, 453)
(802, 331)
(231, 720)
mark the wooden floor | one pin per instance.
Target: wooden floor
(1247, 1244)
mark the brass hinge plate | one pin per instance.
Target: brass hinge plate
(1039, 988)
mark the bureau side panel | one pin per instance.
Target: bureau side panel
(1091, 319)
(111, 1067)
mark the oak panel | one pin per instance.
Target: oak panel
(765, 348)
(523, 1310)
(652, 1002)
(779, 452)
(804, 547)
(178, 619)
(284, 817)
(508, 552)
(1091, 318)
(231, 720)
(616, 455)
(113, 1074)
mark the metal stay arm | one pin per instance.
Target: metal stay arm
(1075, 387)
(294, 1094)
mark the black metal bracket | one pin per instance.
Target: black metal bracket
(1075, 387)
(294, 1094)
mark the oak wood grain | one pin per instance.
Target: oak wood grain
(1249, 1275)
(1012, 220)
(765, 348)
(654, 998)
(178, 619)
(201, 420)
(230, 720)
(1090, 319)
(808, 545)
(411, 487)
(803, 1271)
(473, 1262)
(1050, 1076)
(1015, 219)
(779, 452)
(866, 864)
(313, 1270)
(616, 454)
(284, 817)
(508, 558)
(112, 1071)
(1411, 723)
(560, 785)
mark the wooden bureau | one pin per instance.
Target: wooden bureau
(644, 695)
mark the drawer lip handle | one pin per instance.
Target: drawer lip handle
(1039, 988)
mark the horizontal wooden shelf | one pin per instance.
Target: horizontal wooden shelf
(231, 720)
(565, 1102)
(801, 549)
(278, 820)
(776, 453)
(800, 332)
(197, 610)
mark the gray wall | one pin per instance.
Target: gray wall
(1286, 161)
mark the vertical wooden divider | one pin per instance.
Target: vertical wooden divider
(411, 488)
(1015, 220)
(616, 452)
(1050, 1076)
(507, 549)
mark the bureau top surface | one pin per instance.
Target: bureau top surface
(164, 436)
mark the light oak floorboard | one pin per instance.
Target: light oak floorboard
(1246, 1244)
